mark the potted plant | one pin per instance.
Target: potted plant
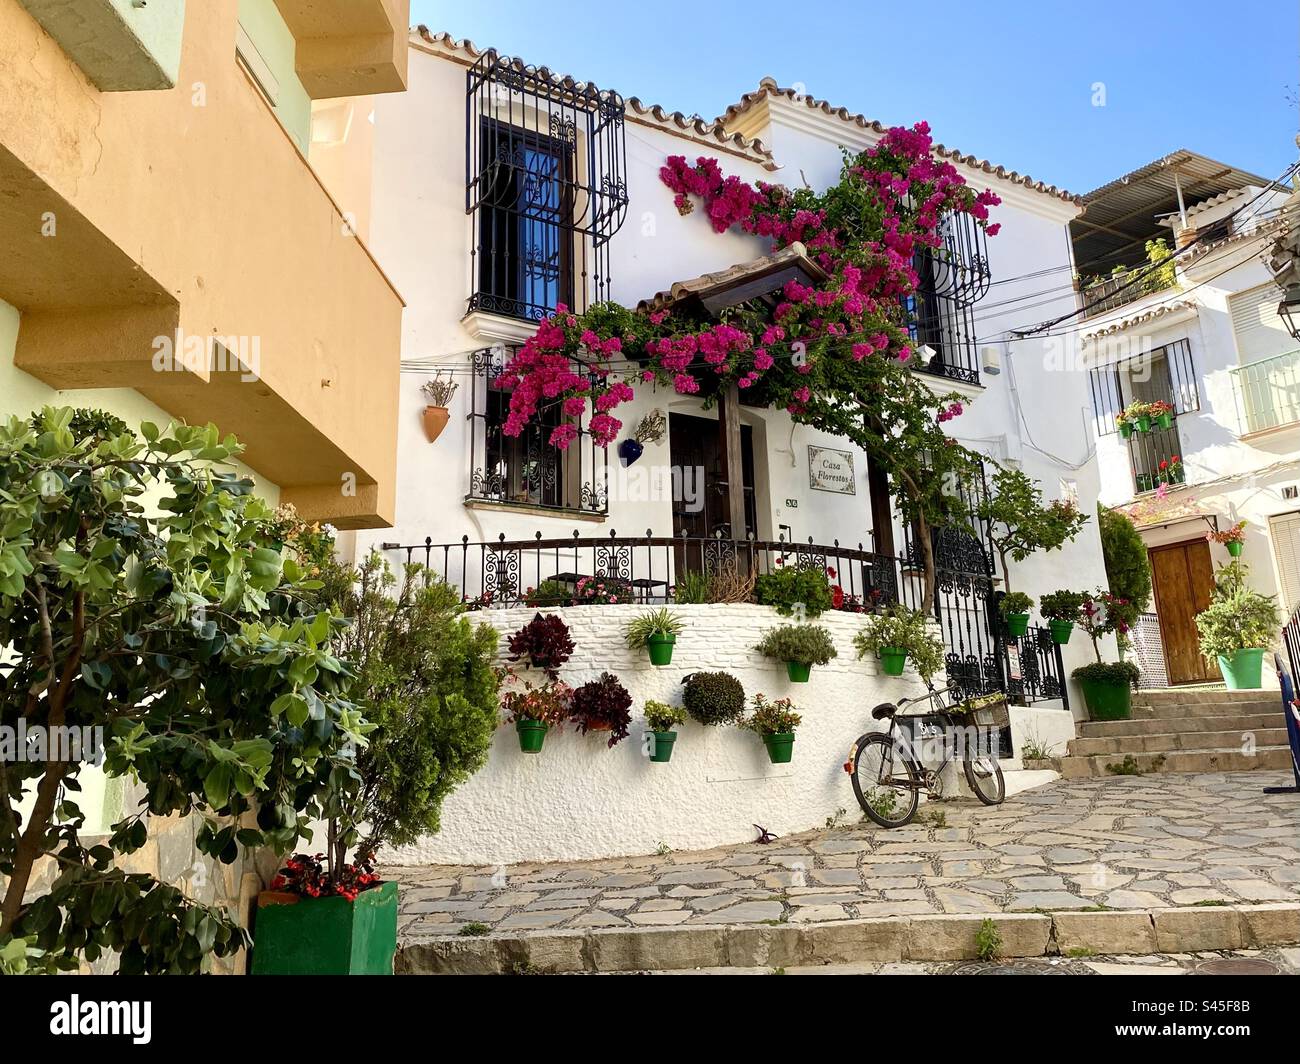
(775, 722)
(601, 705)
(713, 697)
(1134, 416)
(535, 710)
(313, 923)
(1060, 610)
(896, 635)
(1107, 686)
(1015, 607)
(1124, 425)
(1237, 627)
(1234, 538)
(1161, 413)
(789, 589)
(800, 646)
(1175, 470)
(663, 721)
(543, 643)
(438, 391)
(1141, 416)
(657, 631)
(1144, 482)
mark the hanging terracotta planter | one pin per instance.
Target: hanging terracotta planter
(435, 420)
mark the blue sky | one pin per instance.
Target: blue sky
(1010, 82)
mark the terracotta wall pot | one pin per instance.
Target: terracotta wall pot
(435, 420)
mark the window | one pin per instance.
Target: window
(545, 186)
(952, 278)
(1166, 373)
(527, 470)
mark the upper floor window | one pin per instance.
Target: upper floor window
(952, 278)
(545, 186)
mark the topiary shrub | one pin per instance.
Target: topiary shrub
(602, 705)
(713, 697)
(1128, 570)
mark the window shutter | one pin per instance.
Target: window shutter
(1260, 332)
(1105, 399)
(1285, 533)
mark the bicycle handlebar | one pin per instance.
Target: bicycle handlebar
(930, 696)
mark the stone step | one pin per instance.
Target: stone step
(1223, 760)
(1163, 726)
(1184, 710)
(1185, 740)
(1186, 695)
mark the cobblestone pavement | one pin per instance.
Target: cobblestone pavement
(1119, 843)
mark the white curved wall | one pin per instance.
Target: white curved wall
(578, 799)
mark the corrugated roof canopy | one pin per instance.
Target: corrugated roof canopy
(1121, 216)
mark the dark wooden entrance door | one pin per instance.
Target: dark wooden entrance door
(1182, 578)
(697, 454)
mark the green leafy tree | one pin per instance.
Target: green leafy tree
(1020, 523)
(178, 631)
(426, 679)
(1128, 570)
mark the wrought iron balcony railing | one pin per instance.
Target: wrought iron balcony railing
(1267, 393)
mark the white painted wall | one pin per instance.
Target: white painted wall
(578, 799)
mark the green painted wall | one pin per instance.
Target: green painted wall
(262, 22)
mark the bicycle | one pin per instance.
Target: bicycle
(890, 767)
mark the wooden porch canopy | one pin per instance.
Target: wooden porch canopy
(707, 296)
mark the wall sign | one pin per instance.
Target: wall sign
(831, 470)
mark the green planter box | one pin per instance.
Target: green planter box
(780, 747)
(326, 936)
(661, 649)
(892, 660)
(663, 746)
(1107, 701)
(1017, 624)
(1244, 670)
(1061, 631)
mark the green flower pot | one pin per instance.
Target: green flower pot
(1107, 701)
(661, 649)
(663, 746)
(798, 671)
(1234, 549)
(326, 936)
(532, 733)
(1017, 624)
(892, 660)
(1126, 429)
(1144, 423)
(1165, 421)
(1061, 631)
(780, 747)
(1242, 671)
(1145, 482)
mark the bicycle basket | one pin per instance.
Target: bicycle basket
(988, 710)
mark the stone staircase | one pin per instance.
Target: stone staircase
(1183, 730)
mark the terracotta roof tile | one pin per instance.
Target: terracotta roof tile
(795, 254)
(768, 87)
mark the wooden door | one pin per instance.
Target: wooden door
(694, 444)
(1182, 578)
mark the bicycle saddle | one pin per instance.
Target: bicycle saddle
(884, 711)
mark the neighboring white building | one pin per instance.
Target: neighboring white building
(1212, 345)
(476, 134)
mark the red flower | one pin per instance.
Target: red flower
(837, 597)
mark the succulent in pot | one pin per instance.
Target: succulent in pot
(543, 643)
(663, 721)
(602, 705)
(800, 646)
(775, 721)
(900, 633)
(657, 631)
(535, 710)
(713, 697)
(1060, 609)
(1015, 607)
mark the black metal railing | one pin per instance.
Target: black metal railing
(1153, 455)
(952, 278)
(647, 569)
(1035, 669)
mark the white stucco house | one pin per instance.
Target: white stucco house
(498, 515)
(1205, 337)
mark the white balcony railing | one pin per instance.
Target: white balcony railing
(1268, 392)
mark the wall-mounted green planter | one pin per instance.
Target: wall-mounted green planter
(1107, 701)
(1017, 624)
(798, 671)
(1145, 482)
(780, 747)
(1144, 423)
(892, 660)
(661, 649)
(663, 751)
(1061, 631)
(1234, 548)
(294, 935)
(1244, 670)
(1126, 429)
(532, 733)
(1165, 421)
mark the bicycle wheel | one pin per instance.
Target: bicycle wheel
(984, 775)
(885, 782)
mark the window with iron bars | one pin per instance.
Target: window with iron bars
(527, 470)
(952, 278)
(545, 187)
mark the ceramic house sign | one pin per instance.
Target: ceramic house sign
(831, 470)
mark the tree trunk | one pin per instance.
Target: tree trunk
(29, 845)
(927, 564)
